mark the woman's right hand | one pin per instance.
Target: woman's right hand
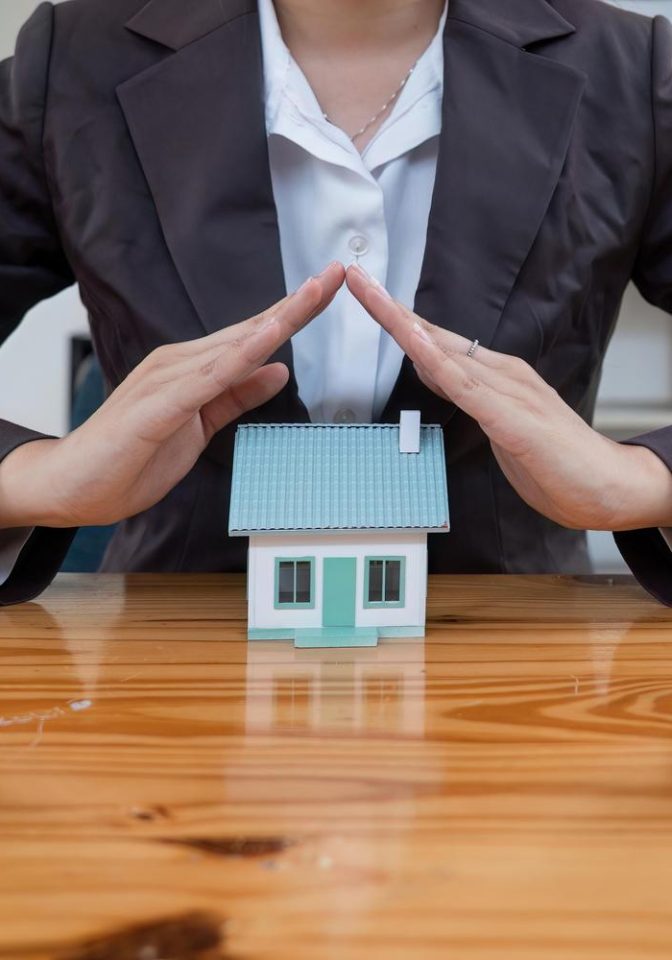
(152, 429)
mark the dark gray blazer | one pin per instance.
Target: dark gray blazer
(133, 161)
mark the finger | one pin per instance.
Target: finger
(178, 381)
(483, 374)
(185, 386)
(479, 391)
(509, 375)
(425, 378)
(514, 380)
(256, 340)
(293, 312)
(305, 303)
(399, 321)
(161, 405)
(251, 392)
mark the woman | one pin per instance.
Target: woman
(504, 169)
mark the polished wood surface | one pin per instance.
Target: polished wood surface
(500, 790)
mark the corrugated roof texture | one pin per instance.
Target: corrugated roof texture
(336, 477)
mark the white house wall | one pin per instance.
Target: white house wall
(264, 549)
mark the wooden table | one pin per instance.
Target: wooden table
(501, 790)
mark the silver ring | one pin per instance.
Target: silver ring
(473, 348)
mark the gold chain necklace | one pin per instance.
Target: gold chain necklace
(382, 110)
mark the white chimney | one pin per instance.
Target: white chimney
(409, 431)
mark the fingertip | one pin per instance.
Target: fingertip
(332, 276)
(378, 305)
(355, 275)
(333, 270)
(368, 289)
(274, 378)
(333, 273)
(279, 371)
(357, 285)
(265, 382)
(335, 266)
(309, 296)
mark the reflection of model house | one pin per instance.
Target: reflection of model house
(338, 517)
(379, 689)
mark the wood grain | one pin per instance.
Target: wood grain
(501, 790)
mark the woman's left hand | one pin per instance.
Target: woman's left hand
(557, 463)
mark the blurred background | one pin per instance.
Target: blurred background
(636, 392)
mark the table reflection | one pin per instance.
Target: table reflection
(381, 688)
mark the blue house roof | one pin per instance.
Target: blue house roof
(302, 477)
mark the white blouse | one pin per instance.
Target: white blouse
(335, 204)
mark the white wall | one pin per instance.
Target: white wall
(261, 577)
(650, 8)
(12, 14)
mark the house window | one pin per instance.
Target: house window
(295, 583)
(384, 586)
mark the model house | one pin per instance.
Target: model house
(338, 517)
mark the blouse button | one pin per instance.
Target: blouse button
(358, 244)
(345, 416)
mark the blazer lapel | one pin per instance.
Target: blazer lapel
(198, 126)
(507, 122)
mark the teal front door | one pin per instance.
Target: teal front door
(340, 592)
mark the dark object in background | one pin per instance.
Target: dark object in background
(88, 393)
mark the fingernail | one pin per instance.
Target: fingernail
(358, 268)
(422, 333)
(334, 263)
(372, 281)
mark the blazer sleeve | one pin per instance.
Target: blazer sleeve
(647, 552)
(33, 265)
